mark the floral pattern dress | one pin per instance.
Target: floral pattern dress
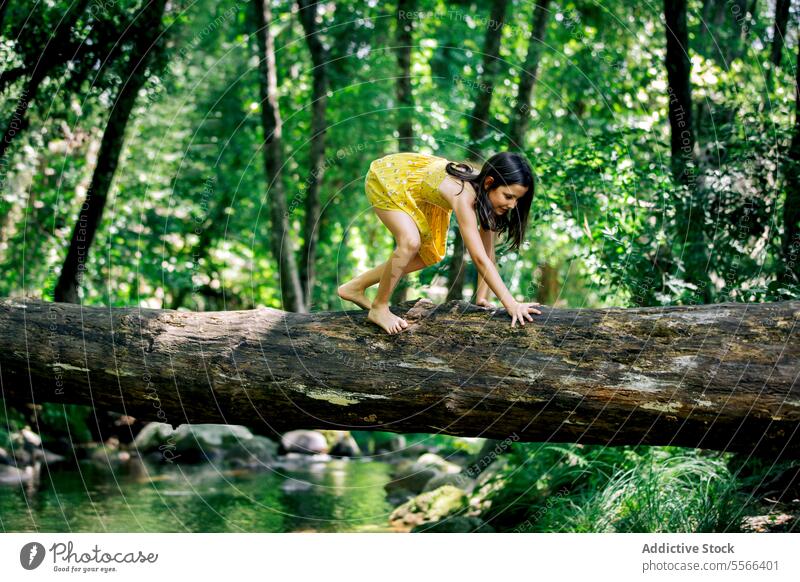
(410, 182)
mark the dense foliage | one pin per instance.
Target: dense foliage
(190, 169)
(186, 223)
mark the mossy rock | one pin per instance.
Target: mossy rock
(429, 506)
(455, 479)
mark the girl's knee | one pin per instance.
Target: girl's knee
(409, 246)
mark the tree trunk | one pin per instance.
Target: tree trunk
(719, 377)
(148, 43)
(548, 289)
(457, 270)
(307, 10)
(405, 96)
(281, 241)
(479, 122)
(405, 104)
(690, 208)
(779, 31)
(791, 208)
(478, 128)
(527, 81)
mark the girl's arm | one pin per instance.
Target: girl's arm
(482, 293)
(461, 196)
(468, 225)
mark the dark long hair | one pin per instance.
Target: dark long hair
(506, 169)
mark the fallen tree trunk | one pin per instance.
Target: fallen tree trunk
(722, 377)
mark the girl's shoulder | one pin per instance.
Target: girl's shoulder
(435, 172)
(448, 187)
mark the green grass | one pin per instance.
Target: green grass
(574, 488)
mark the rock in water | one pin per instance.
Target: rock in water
(308, 442)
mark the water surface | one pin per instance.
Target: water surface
(338, 495)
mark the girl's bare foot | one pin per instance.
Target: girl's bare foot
(352, 293)
(387, 320)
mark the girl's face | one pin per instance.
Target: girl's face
(504, 198)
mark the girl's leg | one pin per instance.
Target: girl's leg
(408, 242)
(354, 289)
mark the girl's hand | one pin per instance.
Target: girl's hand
(522, 311)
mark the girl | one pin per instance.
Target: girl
(414, 195)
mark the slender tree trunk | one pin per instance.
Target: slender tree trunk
(457, 270)
(405, 96)
(307, 10)
(791, 208)
(547, 292)
(149, 42)
(404, 39)
(478, 128)
(779, 31)
(682, 139)
(520, 117)
(479, 121)
(719, 376)
(778, 38)
(281, 241)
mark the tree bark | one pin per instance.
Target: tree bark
(721, 377)
(690, 207)
(148, 43)
(281, 241)
(528, 76)
(478, 128)
(319, 102)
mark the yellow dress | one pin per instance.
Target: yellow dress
(410, 182)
